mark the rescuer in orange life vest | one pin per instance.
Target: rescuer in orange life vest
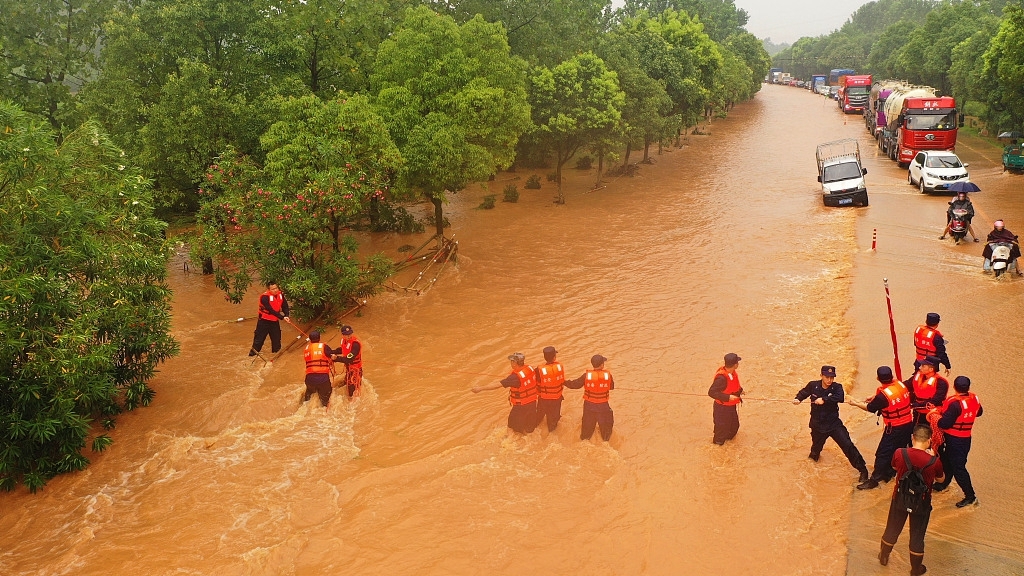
(928, 341)
(351, 355)
(522, 394)
(826, 395)
(892, 402)
(597, 385)
(927, 389)
(273, 308)
(957, 421)
(550, 378)
(726, 390)
(318, 357)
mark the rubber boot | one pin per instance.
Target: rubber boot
(916, 566)
(883, 554)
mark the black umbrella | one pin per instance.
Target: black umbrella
(964, 186)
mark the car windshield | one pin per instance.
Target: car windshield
(942, 162)
(844, 171)
(932, 121)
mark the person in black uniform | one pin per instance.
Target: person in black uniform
(923, 395)
(273, 308)
(826, 395)
(597, 385)
(892, 402)
(522, 387)
(928, 341)
(958, 415)
(727, 391)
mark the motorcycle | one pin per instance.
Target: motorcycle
(958, 224)
(1001, 257)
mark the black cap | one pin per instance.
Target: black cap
(932, 319)
(549, 353)
(731, 359)
(346, 330)
(962, 384)
(884, 374)
(933, 361)
(314, 336)
(597, 360)
(828, 371)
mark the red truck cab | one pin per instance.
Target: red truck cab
(926, 124)
(853, 93)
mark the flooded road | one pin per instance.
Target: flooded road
(722, 246)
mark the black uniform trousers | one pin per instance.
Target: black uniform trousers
(592, 417)
(552, 409)
(838, 432)
(893, 438)
(727, 422)
(321, 385)
(523, 418)
(266, 328)
(955, 457)
(897, 520)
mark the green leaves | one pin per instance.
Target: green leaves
(85, 315)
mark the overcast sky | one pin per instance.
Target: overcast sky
(789, 20)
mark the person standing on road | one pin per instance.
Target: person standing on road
(550, 378)
(351, 355)
(726, 390)
(522, 394)
(273, 308)
(892, 401)
(957, 421)
(826, 395)
(921, 459)
(928, 341)
(927, 389)
(597, 385)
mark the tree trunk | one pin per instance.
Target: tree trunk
(625, 157)
(438, 216)
(647, 148)
(207, 265)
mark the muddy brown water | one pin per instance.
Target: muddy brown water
(721, 246)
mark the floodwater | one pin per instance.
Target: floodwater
(721, 246)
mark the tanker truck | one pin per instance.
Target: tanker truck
(917, 119)
(874, 111)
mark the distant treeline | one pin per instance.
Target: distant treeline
(971, 50)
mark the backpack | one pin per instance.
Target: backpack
(912, 490)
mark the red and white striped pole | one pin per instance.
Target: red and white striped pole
(892, 332)
(874, 239)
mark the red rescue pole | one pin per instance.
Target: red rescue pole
(892, 332)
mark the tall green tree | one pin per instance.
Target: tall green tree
(1004, 63)
(85, 317)
(327, 163)
(573, 104)
(49, 49)
(455, 101)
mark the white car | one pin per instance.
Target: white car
(933, 170)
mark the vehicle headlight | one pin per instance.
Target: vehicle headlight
(927, 174)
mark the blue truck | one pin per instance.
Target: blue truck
(834, 74)
(816, 80)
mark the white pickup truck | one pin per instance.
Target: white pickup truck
(841, 173)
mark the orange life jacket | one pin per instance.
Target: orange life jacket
(276, 301)
(551, 379)
(732, 385)
(924, 341)
(317, 361)
(346, 349)
(597, 386)
(924, 389)
(969, 406)
(526, 392)
(899, 411)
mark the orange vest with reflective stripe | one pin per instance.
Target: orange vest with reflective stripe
(276, 301)
(924, 341)
(597, 386)
(924, 389)
(317, 362)
(346, 349)
(969, 406)
(526, 392)
(732, 385)
(551, 379)
(899, 411)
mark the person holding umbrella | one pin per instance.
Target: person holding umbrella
(961, 202)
